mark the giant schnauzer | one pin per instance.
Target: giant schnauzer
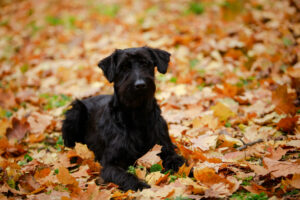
(122, 127)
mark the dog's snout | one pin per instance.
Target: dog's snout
(140, 84)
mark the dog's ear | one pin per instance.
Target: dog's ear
(160, 58)
(109, 65)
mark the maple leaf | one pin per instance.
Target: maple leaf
(283, 101)
(151, 157)
(281, 168)
(39, 122)
(83, 151)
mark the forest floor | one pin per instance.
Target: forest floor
(231, 96)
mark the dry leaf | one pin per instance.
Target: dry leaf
(83, 151)
(64, 177)
(205, 142)
(222, 112)
(281, 168)
(282, 100)
(151, 157)
(18, 130)
(39, 122)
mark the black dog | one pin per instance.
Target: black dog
(122, 127)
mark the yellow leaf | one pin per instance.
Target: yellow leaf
(83, 151)
(222, 112)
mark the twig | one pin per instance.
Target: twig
(249, 144)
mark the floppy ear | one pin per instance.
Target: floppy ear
(109, 65)
(160, 58)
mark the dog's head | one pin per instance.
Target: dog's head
(132, 71)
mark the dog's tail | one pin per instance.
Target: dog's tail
(74, 126)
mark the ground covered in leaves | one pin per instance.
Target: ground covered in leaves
(230, 97)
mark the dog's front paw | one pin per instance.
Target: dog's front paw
(173, 162)
(137, 185)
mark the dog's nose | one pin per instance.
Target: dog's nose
(140, 84)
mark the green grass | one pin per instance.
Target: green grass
(196, 8)
(248, 196)
(155, 168)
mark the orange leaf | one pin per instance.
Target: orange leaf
(42, 173)
(162, 179)
(283, 101)
(34, 138)
(185, 170)
(208, 176)
(287, 124)
(65, 178)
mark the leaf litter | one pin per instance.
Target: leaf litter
(231, 96)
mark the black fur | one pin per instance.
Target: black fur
(122, 127)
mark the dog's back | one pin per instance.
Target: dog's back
(76, 122)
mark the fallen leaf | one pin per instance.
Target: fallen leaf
(281, 168)
(282, 100)
(93, 192)
(207, 176)
(7, 98)
(18, 130)
(162, 179)
(151, 157)
(205, 142)
(64, 177)
(83, 151)
(39, 122)
(295, 181)
(82, 172)
(287, 124)
(278, 153)
(4, 125)
(222, 112)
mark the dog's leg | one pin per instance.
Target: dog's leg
(170, 159)
(121, 177)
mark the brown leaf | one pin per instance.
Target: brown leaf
(282, 100)
(39, 122)
(287, 124)
(18, 130)
(28, 183)
(7, 98)
(4, 125)
(255, 188)
(83, 151)
(281, 168)
(278, 153)
(93, 192)
(151, 157)
(82, 172)
(64, 177)
(295, 181)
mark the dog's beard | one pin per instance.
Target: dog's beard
(132, 98)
